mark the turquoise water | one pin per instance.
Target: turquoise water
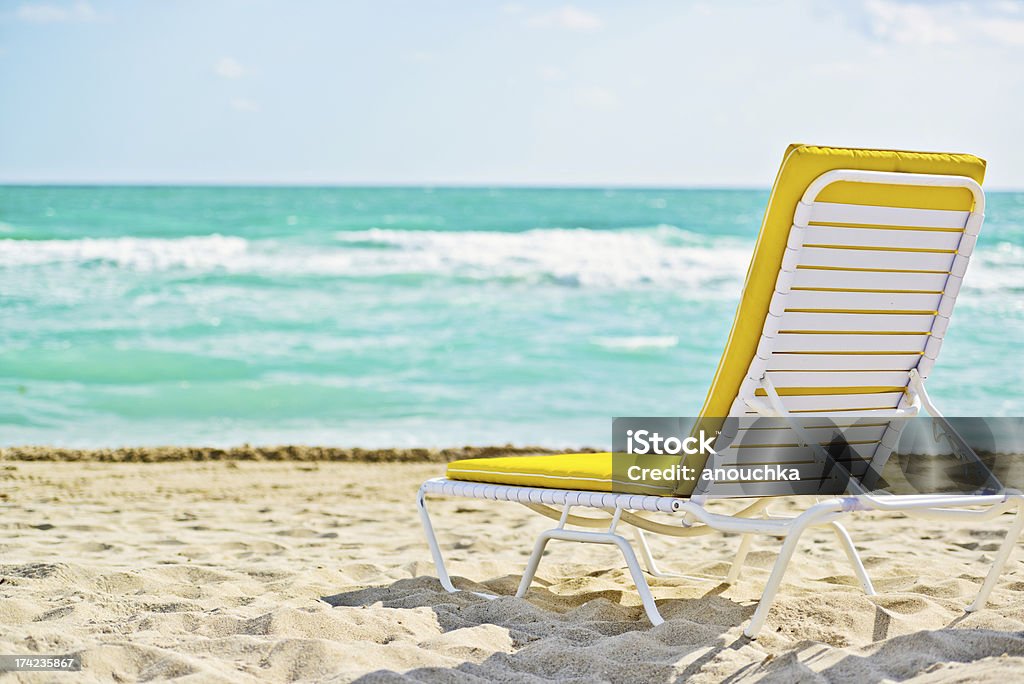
(405, 317)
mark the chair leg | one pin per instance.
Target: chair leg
(639, 580)
(533, 563)
(1003, 555)
(645, 553)
(854, 558)
(741, 556)
(654, 570)
(642, 588)
(772, 587)
(816, 515)
(435, 550)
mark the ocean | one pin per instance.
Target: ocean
(396, 317)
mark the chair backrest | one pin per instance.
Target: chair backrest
(851, 288)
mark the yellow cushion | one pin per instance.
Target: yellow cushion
(801, 165)
(589, 472)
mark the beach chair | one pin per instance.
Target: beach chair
(847, 299)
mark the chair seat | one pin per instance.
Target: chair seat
(589, 472)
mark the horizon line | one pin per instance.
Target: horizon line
(373, 185)
(396, 186)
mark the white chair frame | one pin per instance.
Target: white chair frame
(754, 519)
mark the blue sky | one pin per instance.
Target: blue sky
(533, 92)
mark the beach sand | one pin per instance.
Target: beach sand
(214, 570)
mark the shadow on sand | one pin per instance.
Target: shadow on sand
(590, 636)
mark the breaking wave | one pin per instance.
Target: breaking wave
(625, 258)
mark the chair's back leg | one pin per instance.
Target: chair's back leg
(645, 553)
(741, 556)
(854, 558)
(819, 514)
(1003, 555)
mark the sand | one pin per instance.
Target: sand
(215, 570)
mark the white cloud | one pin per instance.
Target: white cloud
(841, 69)
(945, 23)
(703, 8)
(551, 73)
(241, 104)
(1007, 31)
(44, 13)
(1009, 6)
(596, 97)
(910, 24)
(228, 67)
(568, 17)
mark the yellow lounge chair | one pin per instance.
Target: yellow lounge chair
(847, 299)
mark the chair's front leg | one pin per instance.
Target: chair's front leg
(639, 580)
(611, 538)
(531, 565)
(435, 550)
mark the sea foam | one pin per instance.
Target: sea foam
(661, 256)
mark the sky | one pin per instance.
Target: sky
(539, 92)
